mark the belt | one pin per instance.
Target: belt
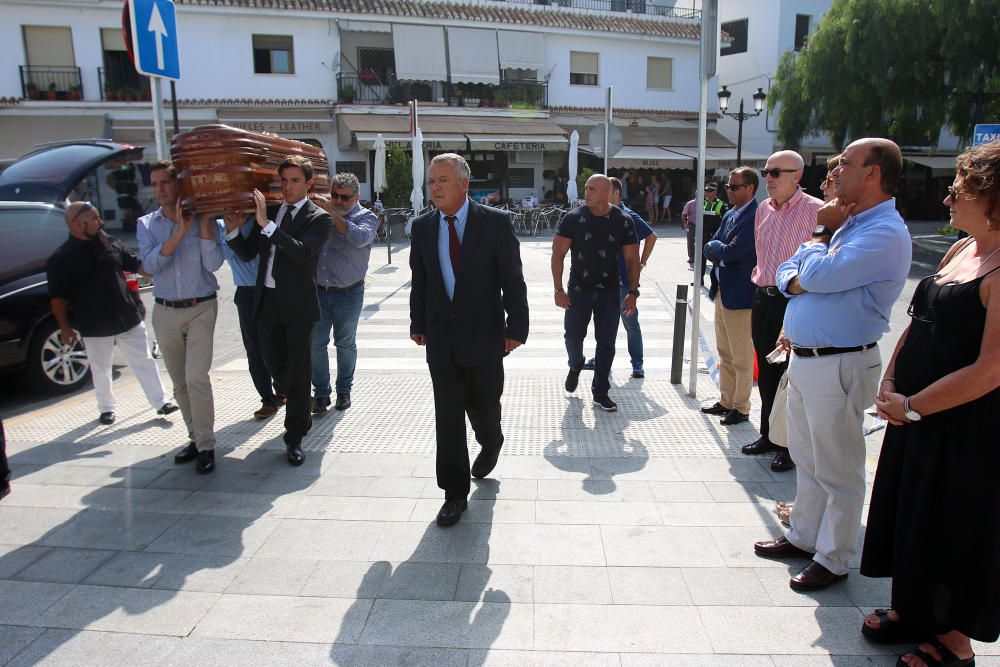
(770, 290)
(823, 351)
(183, 303)
(324, 288)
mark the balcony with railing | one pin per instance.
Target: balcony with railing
(123, 84)
(366, 88)
(634, 6)
(51, 83)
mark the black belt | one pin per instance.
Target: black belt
(183, 303)
(823, 351)
(324, 288)
(770, 290)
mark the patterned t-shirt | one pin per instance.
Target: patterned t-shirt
(597, 239)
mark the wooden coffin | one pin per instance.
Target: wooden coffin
(218, 167)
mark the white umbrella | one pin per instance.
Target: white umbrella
(379, 184)
(417, 195)
(571, 194)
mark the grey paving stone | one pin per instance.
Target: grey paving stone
(736, 545)
(716, 514)
(181, 478)
(680, 492)
(342, 486)
(624, 628)
(481, 511)
(29, 525)
(345, 579)
(501, 658)
(775, 582)
(134, 500)
(230, 481)
(496, 583)
(572, 585)
(532, 468)
(469, 624)
(613, 490)
(783, 489)
(396, 487)
(420, 581)
(171, 572)
(350, 508)
(506, 489)
(723, 470)
(65, 566)
(689, 660)
(429, 543)
(866, 592)
(14, 558)
(284, 619)
(648, 585)
(130, 610)
(46, 495)
(374, 465)
(72, 648)
(24, 601)
(345, 655)
(195, 652)
(215, 536)
(660, 546)
(626, 469)
(286, 483)
(14, 639)
(836, 660)
(737, 492)
(323, 540)
(722, 586)
(105, 529)
(272, 576)
(219, 503)
(587, 512)
(513, 544)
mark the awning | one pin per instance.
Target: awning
(479, 132)
(518, 142)
(936, 163)
(473, 56)
(521, 50)
(432, 142)
(20, 135)
(419, 52)
(670, 147)
(648, 157)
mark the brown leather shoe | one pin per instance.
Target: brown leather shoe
(814, 577)
(266, 410)
(779, 548)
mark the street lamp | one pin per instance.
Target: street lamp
(740, 116)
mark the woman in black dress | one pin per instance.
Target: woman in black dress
(934, 521)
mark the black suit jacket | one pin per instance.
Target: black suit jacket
(297, 247)
(489, 282)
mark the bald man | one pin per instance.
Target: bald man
(86, 273)
(595, 233)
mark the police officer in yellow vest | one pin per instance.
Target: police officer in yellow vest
(715, 208)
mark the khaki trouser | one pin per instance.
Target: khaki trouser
(735, 345)
(185, 336)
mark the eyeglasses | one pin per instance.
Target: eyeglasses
(736, 186)
(87, 206)
(335, 195)
(775, 173)
(954, 193)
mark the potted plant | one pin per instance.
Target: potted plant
(76, 92)
(31, 88)
(347, 94)
(130, 95)
(53, 93)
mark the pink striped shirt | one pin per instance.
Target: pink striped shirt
(778, 233)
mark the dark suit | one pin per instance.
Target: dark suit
(285, 314)
(736, 252)
(465, 336)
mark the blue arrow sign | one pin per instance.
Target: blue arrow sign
(154, 38)
(985, 134)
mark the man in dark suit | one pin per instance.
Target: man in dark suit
(734, 255)
(288, 239)
(466, 267)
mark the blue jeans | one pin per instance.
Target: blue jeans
(339, 311)
(631, 323)
(604, 306)
(258, 370)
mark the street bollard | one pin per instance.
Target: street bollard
(680, 316)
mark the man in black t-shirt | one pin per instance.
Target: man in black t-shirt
(86, 273)
(594, 234)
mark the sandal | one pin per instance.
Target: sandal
(890, 631)
(948, 659)
(784, 512)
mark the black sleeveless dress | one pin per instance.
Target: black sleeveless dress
(934, 521)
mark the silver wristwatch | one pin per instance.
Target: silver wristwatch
(910, 413)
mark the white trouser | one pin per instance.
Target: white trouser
(135, 347)
(827, 397)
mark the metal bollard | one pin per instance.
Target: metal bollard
(680, 316)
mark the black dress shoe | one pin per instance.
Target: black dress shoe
(780, 548)
(107, 418)
(732, 417)
(782, 461)
(760, 446)
(717, 409)
(167, 408)
(206, 462)
(189, 453)
(4, 489)
(343, 401)
(814, 577)
(485, 462)
(320, 404)
(590, 365)
(572, 380)
(451, 511)
(293, 450)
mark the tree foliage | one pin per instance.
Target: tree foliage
(398, 179)
(901, 69)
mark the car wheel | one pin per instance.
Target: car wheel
(54, 367)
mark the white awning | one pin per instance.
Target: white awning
(935, 162)
(647, 157)
(729, 155)
(517, 142)
(521, 50)
(420, 53)
(473, 55)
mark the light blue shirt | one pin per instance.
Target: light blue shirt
(344, 259)
(244, 273)
(444, 252)
(190, 272)
(850, 286)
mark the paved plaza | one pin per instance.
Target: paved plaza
(600, 539)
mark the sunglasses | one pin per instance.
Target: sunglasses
(736, 186)
(334, 195)
(87, 206)
(775, 173)
(954, 193)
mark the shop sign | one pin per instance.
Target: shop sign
(311, 127)
(518, 146)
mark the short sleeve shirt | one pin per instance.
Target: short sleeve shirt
(89, 275)
(597, 240)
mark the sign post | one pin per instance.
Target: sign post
(156, 53)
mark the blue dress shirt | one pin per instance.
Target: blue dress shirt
(190, 272)
(344, 259)
(244, 273)
(444, 251)
(642, 230)
(850, 286)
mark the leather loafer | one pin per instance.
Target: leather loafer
(451, 511)
(206, 462)
(732, 417)
(320, 404)
(189, 453)
(760, 446)
(779, 548)
(167, 408)
(485, 462)
(266, 410)
(814, 577)
(717, 409)
(343, 401)
(282, 399)
(107, 418)
(782, 461)
(572, 380)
